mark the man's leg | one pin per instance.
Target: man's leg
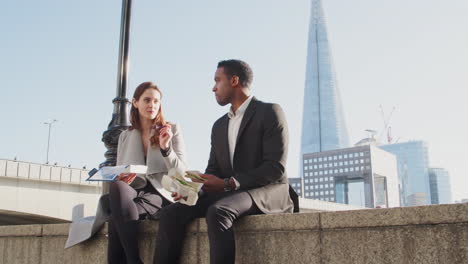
(173, 220)
(220, 217)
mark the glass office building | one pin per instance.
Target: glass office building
(296, 184)
(362, 176)
(439, 184)
(323, 124)
(413, 171)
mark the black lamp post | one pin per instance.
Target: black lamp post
(119, 120)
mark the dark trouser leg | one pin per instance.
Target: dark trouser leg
(115, 251)
(172, 226)
(125, 212)
(220, 218)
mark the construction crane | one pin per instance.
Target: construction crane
(387, 128)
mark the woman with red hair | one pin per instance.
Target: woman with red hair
(150, 141)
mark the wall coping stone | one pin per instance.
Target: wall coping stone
(420, 215)
(20, 230)
(429, 214)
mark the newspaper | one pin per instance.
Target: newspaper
(181, 182)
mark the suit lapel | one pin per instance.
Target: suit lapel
(249, 113)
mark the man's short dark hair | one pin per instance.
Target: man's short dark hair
(239, 68)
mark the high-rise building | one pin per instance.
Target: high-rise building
(413, 171)
(364, 176)
(323, 124)
(439, 183)
(296, 184)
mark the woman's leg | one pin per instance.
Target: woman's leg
(123, 226)
(115, 251)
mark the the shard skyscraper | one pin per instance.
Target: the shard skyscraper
(323, 124)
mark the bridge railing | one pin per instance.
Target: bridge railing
(44, 172)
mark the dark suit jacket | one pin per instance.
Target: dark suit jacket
(259, 156)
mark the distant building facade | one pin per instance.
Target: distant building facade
(439, 184)
(364, 176)
(296, 184)
(413, 171)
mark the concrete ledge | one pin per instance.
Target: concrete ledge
(21, 231)
(431, 214)
(429, 234)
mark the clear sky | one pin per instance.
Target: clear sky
(59, 61)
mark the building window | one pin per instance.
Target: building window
(340, 157)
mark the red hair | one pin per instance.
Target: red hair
(135, 116)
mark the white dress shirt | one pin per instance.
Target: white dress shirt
(235, 120)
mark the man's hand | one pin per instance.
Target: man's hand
(212, 183)
(176, 196)
(126, 177)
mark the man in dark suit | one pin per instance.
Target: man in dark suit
(245, 173)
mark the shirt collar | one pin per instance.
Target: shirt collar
(241, 108)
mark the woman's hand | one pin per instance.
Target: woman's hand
(126, 177)
(165, 136)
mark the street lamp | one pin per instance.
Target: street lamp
(48, 139)
(119, 121)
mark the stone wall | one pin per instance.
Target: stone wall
(426, 234)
